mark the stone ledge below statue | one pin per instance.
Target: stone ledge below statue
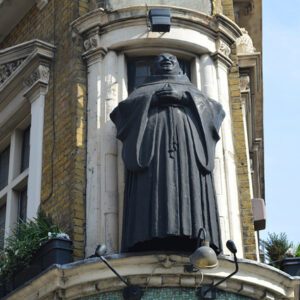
(90, 277)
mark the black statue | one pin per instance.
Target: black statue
(169, 131)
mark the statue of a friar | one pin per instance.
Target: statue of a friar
(169, 131)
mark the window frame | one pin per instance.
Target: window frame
(22, 103)
(17, 179)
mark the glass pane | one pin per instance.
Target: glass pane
(25, 149)
(23, 205)
(2, 225)
(4, 164)
(139, 69)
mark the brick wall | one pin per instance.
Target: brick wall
(240, 149)
(227, 7)
(217, 6)
(64, 152)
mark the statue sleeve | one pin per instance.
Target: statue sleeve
(130, 118)
(218, 116)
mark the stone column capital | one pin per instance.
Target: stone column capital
(93, 49)
(222, 60)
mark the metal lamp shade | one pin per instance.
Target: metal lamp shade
(204, 257)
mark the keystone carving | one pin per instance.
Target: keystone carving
(40, 73)
(7, 69)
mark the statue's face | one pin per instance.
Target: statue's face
(166, 63)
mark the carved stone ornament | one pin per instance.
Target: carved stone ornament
(91, 43)
(244, 43)
(223, 48)
(41, 73)
(7, 69)
(245, 83)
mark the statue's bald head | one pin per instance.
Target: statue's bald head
(166, 64)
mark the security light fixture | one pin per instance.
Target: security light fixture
(130, 292)
(209, 291)
(160, 19)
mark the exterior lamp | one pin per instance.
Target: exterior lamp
(209, 291)
(160, 19)
(204, 257)
(130, 292)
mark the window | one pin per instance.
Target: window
(4, 159)
(139, 68)
(22, 205)
(2, 225)
(25, 149)
(14, 164)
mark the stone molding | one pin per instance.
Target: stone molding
(252, 61)
(40, 73)
(222, 59)
(34, 60)
(222, 54)
(91, 276)
(216, 27)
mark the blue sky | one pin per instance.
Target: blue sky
(281, 73)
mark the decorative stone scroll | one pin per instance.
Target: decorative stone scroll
(40, 73)
(93, 40)
(8, 68)
(244, 43)
(223, 48)
(90, 43)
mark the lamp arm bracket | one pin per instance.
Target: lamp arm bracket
(213, 286)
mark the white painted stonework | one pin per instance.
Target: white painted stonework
(193, 37)
(91, 277)
(22, 99)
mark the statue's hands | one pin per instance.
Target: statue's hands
(168, 93)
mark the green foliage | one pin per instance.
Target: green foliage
(277, 246)
(297, 251)
(25, 240)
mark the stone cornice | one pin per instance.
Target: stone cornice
(90, 276)
(101, 18)
(218, 27)
(35, 58)
(24, 49)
